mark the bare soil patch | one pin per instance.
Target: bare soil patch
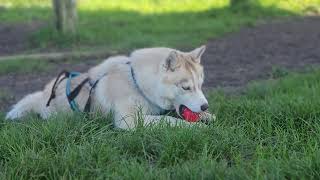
(14, 37)
(231, 61)
(251, 53)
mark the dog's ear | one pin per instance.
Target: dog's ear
(197, 53)
(171, 63)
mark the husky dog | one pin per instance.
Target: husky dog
(155, 79)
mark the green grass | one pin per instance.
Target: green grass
(22, 65)
(270, 132)
(128, 24)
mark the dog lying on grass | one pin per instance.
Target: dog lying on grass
(153, 80)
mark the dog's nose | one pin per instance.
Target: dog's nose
(204, 107)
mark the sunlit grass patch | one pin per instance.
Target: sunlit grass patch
(153, 6)
(23, 3)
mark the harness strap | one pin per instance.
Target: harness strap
(93, 86)
(163, 111)
(72, 95)
(77, 90)
(88, 104)
(55, 85)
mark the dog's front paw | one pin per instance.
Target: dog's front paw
(207, 118)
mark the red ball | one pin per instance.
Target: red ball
(190, 116)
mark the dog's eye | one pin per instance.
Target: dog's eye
(186, 88)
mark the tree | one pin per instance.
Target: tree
(65, 12)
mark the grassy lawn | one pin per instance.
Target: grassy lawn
(22, 65)
(128, 24)
(272, 131)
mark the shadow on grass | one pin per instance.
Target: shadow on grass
(128, 29)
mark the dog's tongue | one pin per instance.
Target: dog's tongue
(190, 116)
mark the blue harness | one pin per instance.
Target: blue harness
(162, 111)
(71, 95)
(73, 105)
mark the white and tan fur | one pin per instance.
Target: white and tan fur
(168, 77)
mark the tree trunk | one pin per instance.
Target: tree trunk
(65, 15)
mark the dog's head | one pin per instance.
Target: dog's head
(183, 77)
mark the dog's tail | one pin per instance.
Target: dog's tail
(31, 103)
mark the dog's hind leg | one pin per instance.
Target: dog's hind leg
(31, 103)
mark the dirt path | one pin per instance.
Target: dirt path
(230, 61)
(251, 53)
(14, 38)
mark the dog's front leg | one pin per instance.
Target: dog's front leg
(207, 117)
(131, 122)
(152, 120)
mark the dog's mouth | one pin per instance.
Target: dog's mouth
(181, 109)
(187, 114)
